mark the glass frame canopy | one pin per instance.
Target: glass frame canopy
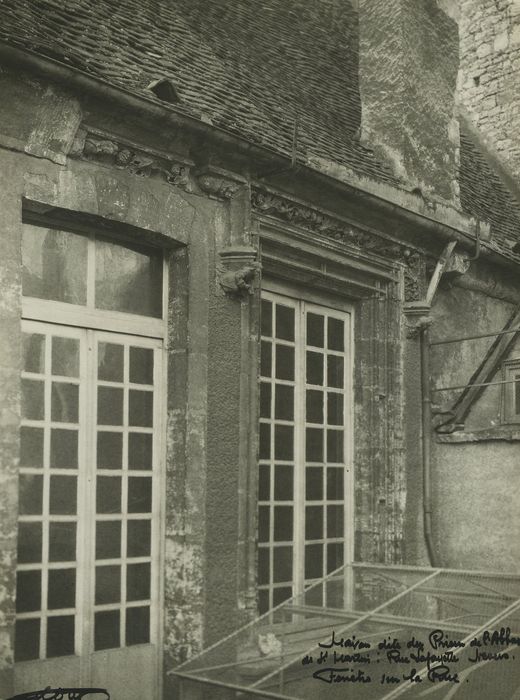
(413, 631)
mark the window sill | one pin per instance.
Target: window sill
(508, 433)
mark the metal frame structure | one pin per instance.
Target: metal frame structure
(263, 658)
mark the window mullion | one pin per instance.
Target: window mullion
(299, 449)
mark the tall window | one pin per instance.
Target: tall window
(91, 447)
(511, 409)
(305, 492)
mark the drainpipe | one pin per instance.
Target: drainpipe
(426, 418)
(421, 311)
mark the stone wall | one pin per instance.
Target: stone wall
(490, 73)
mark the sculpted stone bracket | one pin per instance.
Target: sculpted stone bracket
(417, 317)
(238, 270)
(97, 147)
(219, 183)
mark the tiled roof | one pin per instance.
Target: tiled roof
(484, 196)
(250, 66)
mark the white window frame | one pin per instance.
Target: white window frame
(320, 302)
(62, 315)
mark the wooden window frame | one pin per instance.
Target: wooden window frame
(303, 300)
(511, 375)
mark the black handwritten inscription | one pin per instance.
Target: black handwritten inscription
(60, 694)
(438, 658)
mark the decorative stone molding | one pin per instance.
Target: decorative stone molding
(99, 148)
(417, 317)
(220, 183)
(264, 202)
(238, 270)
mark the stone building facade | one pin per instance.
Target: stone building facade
(224, 254)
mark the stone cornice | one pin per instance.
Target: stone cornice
(267, 203)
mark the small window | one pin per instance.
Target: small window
(90, 271)
(511, 412)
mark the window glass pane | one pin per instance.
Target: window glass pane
(140, 451)
(27, 640)
(264, 482)
(265, 359)
(62, 497)
(54, 265)
(137, 625)
(314, 445)
(315, 330)
(64, 449)
(282, 564)
(28, 591)
(263, 602)
(62, 541)
(284, 402)
(139, 538)
(284, 322)
(60, 636)
(29, 543)
(283, 482)
(110, 450)
(108, 539)
(138, 581)
(110, 362)
(65, 357)
(281, 594)
(283, 523)
(267, 318)
(64, 402)
(335, 334)
(334, 556)
(263, 523)
(141, 365)
(284, 362)
(108, 584)
(313, 561)
(335, 521)
(265, 400)
(335, 483)
(314, 406)
(335, 371)
(31, 447)
(128, 278)
(108, 494)
(334, 446)
(106, 629)
(140, 408)
(34, 352)
(32, 399)
(314, 368)
(263, 566)
(62, 589)
(314, 483)
(265, 441)
(139, 495)
(283, 442)
(313, 522)
(335, 408)
(30, 498)
(110, 406)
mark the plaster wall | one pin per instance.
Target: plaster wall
(475, 482)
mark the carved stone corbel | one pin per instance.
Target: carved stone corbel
(417, 317)
(238, 270)
(219, 183)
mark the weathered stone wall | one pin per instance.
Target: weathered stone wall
(408, 64)
(490, 73)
